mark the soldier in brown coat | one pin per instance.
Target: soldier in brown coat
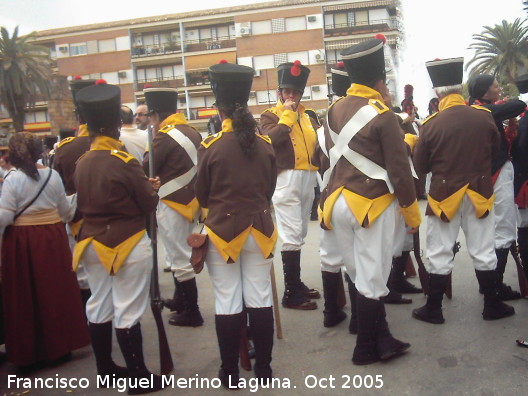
(235, 182)
(114, 196)
(174, 152)
(456, 145)
(365, 180)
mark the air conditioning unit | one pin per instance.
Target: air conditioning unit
(63, 48)
(252, 94)
(245, 31)
(242, 29)
(312, 18)
(319, 57)
(316, 88)
(122, 74)
(257, 72)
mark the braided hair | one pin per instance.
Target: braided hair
(244, 125)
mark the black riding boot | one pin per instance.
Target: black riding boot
(101, 337)
(522, 243)
(398, 281)
(366, 350)
(388, 346)
(191, 316)
(131, 344)
(333, 315)
(228, 331)
(394, 297)
(432, 311)
(261, 325)
(494, 308)
(294, 292)
(177, 302)
(505, 292)
(352, 293)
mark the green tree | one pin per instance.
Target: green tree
(501, 50)
(24, 72)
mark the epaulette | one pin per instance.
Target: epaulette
(428, 118)
(123, 156)
(65, 140)
(211, 139)
(271, 110)
(266, 138)
(378, 105)
(481, 108)
(166, 128)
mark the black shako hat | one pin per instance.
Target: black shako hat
(292, 75)
(77, 84)
(365, 62)
(231, 83)
(100, 106)
(446, 72)
(340, 80)
(522, 83)
(161, 100)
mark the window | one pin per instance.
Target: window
(264, 98)
(107, 45)
(261, 27)
(295, 23)
(279, 58)
(263, 62)
(362, 18)
(92, 46)
(301, 56)
(95, 76)
(36, 116)
(78, 49)
(278, 25)
(340, 20)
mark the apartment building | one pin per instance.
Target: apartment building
(176, 50)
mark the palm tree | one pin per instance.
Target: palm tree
(24, 72)
(525, 3)
(501, 50)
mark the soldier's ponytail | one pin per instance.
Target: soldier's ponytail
(244, 126)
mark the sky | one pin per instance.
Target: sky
(433, 28)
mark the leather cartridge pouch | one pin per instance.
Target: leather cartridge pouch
(198, 243)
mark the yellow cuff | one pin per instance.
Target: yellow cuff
(412, 215)
(411, 140)
(288, 118)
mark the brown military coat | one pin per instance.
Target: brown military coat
(113, 193)
(457, 145)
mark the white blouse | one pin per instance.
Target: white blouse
(19, 189)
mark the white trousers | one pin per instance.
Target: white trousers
(403, 241)
(124, 296)
(505, 210)
(331, 259)
(246, 281)
(479, 240)
(174, 230)
(82, 276)
(292, 202)
(367, 252)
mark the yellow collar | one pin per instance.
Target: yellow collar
(364, 92)
(450, 101)
(227, 125)
(280, 106)
(174, 119)
(83, 130)
(105, 143)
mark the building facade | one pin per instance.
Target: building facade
(176, 50)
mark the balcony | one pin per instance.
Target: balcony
(209, 44)
(346, 29)
(167, 82)
(139, 51)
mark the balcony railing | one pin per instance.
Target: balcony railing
(167, 82)
(139, 51)
(344, 28)
(209, 44)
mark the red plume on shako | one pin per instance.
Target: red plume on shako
(381, 37)
(77, 78)
(296, 68)
(222, 61)
(101, 81)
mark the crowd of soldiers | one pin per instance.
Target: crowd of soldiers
(367, 160)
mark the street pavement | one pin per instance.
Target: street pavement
(464, 356)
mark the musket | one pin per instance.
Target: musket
(156, 304)
(341, 296)
(523, 283)
(410, 272)
(422, 272)
(276, 311)
(245, 361)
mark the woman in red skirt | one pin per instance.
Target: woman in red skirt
(43, 314)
